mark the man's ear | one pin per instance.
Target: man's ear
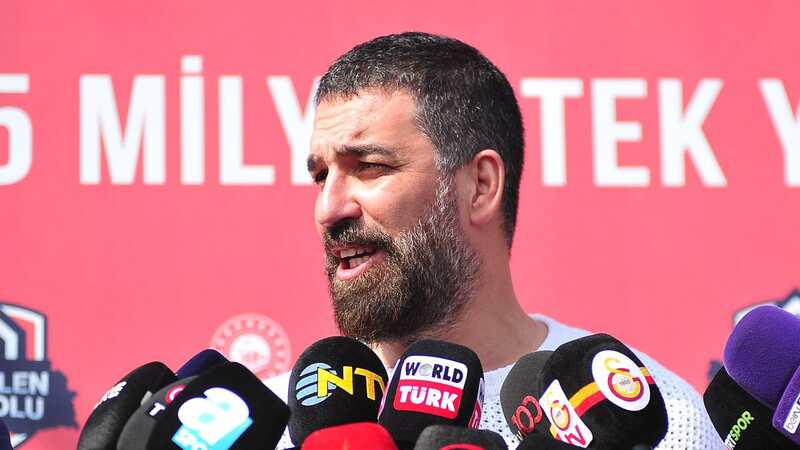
(487, 175)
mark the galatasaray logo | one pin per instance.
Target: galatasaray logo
(33, 396)
(256, 341)
(620, 380)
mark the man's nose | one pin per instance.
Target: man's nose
(336, 202)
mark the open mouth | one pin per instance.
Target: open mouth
(355, 260)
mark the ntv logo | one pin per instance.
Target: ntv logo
(33, 397)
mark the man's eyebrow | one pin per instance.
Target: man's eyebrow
(353, 150)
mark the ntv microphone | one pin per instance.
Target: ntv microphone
(762, 356)
(335, 381)
(225, 407)
(596, 393)
(434, 383)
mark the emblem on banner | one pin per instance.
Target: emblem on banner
(790, 303)
(256, 341)
(33, 396)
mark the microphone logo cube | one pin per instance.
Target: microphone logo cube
(621, 380)
(567, 425)
(430, 385)
(213, 422)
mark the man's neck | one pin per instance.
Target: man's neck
(493, 325)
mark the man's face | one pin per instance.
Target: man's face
(397, 262)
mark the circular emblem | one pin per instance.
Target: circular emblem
(256, 341)
(425, 370)
(560, 415)
(620, 380)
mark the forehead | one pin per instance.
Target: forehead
(369, 118)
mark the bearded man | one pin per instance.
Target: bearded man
(417, 150)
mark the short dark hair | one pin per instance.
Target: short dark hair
(464, 103)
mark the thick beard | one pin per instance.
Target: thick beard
(422, 286)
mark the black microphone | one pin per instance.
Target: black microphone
(436, 437)
(105, 423)
(741, 421)
(335, 381)
(225, 407)
(199, 363)
(519, 396)
(434, 383)
(598, 394)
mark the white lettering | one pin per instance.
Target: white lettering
(192, 121)
(682, 133)
(296, 125)
(553, 92)
(787, 125)
(607, 132)
(232, 169)
(100, 121)
(20, 132)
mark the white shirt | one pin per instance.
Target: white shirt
(689, 426)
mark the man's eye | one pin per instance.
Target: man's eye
(363, 165)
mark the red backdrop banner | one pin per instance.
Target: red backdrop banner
(154, 197)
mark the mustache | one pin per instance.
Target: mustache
(350, 232)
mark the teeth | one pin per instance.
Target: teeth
(355, 262)
(348, 253)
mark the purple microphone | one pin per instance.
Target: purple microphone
(763, 353)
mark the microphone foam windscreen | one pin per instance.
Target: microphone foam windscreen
(434, 383)
(105, 423)
(740, 420)
(139, 428)
(335, 381)
(226, 407)
(598, 394)
(519, 395)
(787, 415)
(200, 362)
(763, 351)
(352, 436)
(436, 437)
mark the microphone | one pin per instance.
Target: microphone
(598, 394)
(436, 437)
(787, 414)
(740, 420)
(107, 420)
(352, 436)
(225, 407)
(200, 362)
(519, 395)
(434, 383)
(335, 381)
(762, 353)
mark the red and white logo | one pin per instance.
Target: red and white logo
(620, 380)
(256, 341)
(567, 425)
(430, 385)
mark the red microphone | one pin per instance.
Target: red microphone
(350, 436)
